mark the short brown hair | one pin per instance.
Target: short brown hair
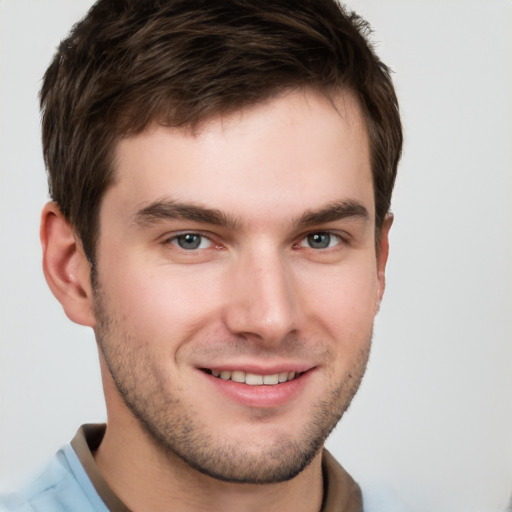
(129, 63)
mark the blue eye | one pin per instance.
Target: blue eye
(191, 241)
(320, 240)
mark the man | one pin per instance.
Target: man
(221, 175)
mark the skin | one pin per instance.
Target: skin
(262, 191)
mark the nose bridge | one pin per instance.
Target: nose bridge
(263, 301)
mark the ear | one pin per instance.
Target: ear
(382, 258)
(66, 269)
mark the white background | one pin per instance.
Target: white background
(433, 418)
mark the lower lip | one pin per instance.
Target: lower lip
(264, 396)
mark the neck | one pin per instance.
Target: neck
(147, 478)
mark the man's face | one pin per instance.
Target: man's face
(238, 282)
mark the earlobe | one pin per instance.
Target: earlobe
(65, 266)
(382, 258)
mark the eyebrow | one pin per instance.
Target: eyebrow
(169, 209)
(336, 210)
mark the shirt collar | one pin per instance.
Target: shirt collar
(341, 493)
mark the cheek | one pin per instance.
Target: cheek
(159, 302)
(344, 299)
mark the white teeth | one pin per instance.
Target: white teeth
(238, 376)
(271, 379)
(253, 379)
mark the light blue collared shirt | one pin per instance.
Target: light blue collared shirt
(62, 487)
(66, 486)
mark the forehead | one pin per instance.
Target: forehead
(299, 150)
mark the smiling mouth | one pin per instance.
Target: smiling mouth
(253, 379)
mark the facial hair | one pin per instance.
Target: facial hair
(177, 430)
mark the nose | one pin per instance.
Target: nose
(263, 303)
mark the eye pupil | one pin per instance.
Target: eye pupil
(319, 240)
(189, 241)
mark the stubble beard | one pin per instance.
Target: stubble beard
(177, 431)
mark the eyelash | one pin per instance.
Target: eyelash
(330, 237)
(174, 240)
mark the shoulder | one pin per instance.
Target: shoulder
(55, 489)
(365, 496)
